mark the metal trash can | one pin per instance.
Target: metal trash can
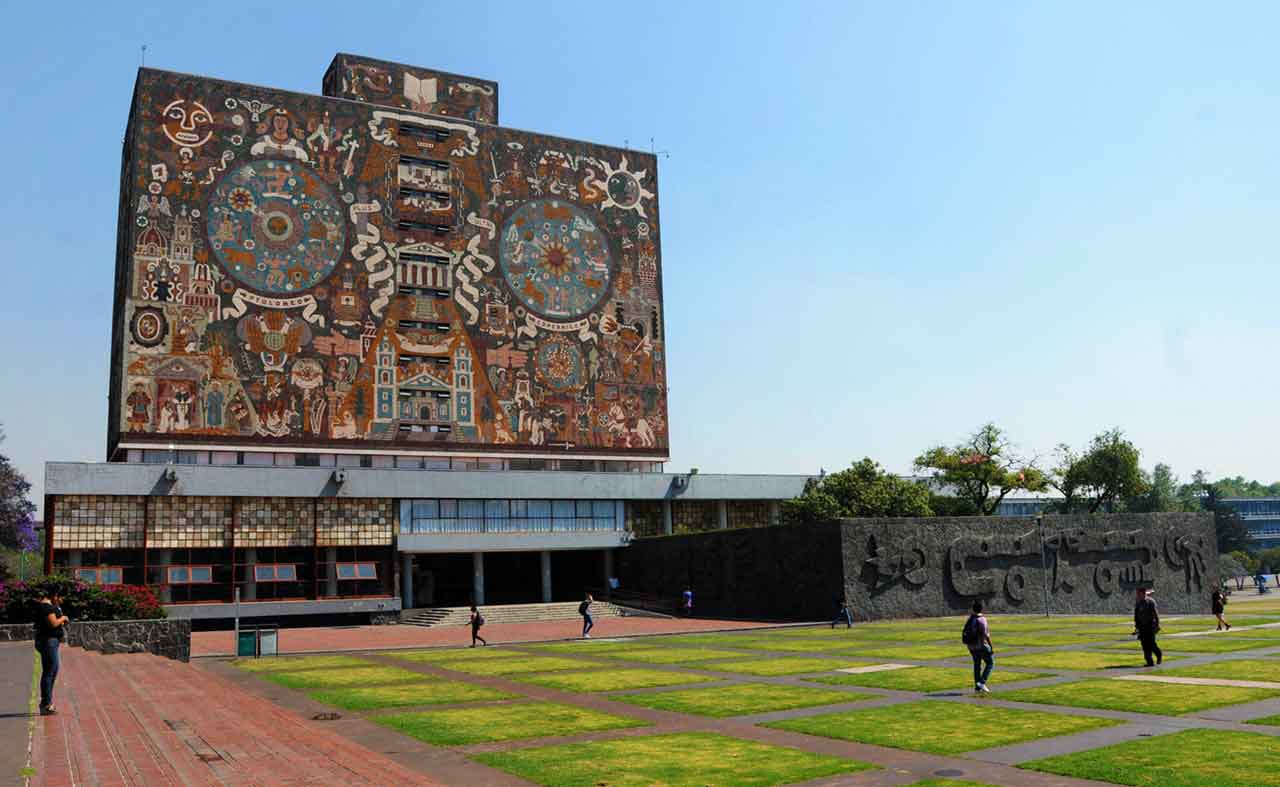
(268, 639)
(247, 643)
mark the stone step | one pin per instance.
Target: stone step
(505, 613)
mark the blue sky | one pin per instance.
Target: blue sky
(883, 224)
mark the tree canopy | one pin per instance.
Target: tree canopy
(983, 469)
(16, 525)
(1107, 473)
(864, 490)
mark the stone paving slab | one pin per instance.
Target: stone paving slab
(1070, 744)
(1244, 684)
(1244, 713)
(16, 662)
(874, 668)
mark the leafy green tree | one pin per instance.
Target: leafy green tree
(1269, 560)
(1103, 477)
(1163, 493)
(1240, 487)
(982, 470)
(1231, 568)
(864, 490)
(15, 508)
(1247, 560)
(1232, 535)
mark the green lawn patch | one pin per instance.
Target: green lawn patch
(461, 726)
(924, 679)
(1138, 696)
(437, 655)
(798, 645)
(494, 667)
(1193, 758)
(740, 700)
(940, 727)
(1076, 659)
(296, 663)
(785, 665)
(1201, 644)
(690, 759)
(1232, 669)
(337, 678)
(612, 679)
(1046, 640)
(597, 647)
(670, 655)
(430, 692)
(1272, 721)
(911, 652)
(1254, 633)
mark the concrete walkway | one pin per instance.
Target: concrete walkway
(16, 662)
(1245, 684)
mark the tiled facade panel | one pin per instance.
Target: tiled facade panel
(342, 522)
(276, 522)
(189, 522)
(693, 516)
(305, 272)
(409, 87)
(95, 522)
(747, 513)
(644, 517)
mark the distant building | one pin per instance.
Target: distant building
(1261, 516)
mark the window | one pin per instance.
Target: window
(275, 572)
(225, 457)
(356, 571)
(258, 459)
(103, 575)
(188, 575)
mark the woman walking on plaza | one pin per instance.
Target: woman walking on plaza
(584, 609)
(1219, 607)
(477, 620)
(51, 628)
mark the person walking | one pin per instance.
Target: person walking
(584, 609)
(1219, 607)
(843, 614)
(1146, 623)
(976, 635)
(477, 620)
(686, 601)
(51, 629)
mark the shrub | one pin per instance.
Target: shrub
(80, 601)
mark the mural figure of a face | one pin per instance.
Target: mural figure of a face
(187, 123)
(280, 127)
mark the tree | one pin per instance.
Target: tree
(983, 469)
(1233, 536)
(1269, 561)
(863, 490)
(1163, 493)
(1231, 568)
(1104, 475)
(15, 508)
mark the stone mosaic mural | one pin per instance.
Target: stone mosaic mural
(305, 271)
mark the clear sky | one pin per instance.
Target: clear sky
(883, 223)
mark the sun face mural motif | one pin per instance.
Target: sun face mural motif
(560, 365)
(187, 123)
(276, 226)
(555, 259)
(624, 189)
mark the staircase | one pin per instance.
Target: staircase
(506, 613)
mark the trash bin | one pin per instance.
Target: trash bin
(268, 637)
(247, 643)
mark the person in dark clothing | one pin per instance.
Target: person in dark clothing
(1219, 607)
(477, 620)
(584, 609)
(977, 637)
(51, 628)
(843, 614)
(686, 601)
(1146, 623)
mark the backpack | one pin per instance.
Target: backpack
(971, 635)
(582, 608)
(479, 620)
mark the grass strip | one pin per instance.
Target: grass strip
(461, 726)
(1138, 696)
(740, 700)
(431, 692)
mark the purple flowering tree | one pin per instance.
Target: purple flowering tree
(17, 528)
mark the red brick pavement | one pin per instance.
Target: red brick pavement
(313, 640)
(142, 720)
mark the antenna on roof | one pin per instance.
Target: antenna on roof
(144, 55)
(657, 153)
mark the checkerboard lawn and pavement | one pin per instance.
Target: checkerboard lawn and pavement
(690, 759)
(341, 678)
(911, 652)
(844, 635)
(1192, 758)
(524, 665)
(938, 727)
(429, 692)
(1076, 659)
(485, 724)
(294, 664)
(437, 655)
(1270, 721)
(612, 679)
(948, 783)
(1047, 640)
(670, 655)
(1232, 669)
(1134, 696)
(1272, 633)
(740, 700)
(923, 679)
(785, 665)
(799, 645)
(1201, 645)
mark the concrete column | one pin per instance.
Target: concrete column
(722, 508)
(545, 557)
(249, 588)
(477, 578)
(608, 568)
(666, 517)
(406, 581)
(163, 557)
(331, 582)
(775, 512)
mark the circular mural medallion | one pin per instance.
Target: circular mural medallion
(560, 364)
(148, 326)
(555, 259)
(624, 189)
(276, 226)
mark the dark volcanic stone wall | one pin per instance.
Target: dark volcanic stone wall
(773, 573)
(169, 637)
(896, 568)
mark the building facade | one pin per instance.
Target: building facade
(373, 351)
(1261, 517)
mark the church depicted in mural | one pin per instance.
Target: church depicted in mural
(381, 266)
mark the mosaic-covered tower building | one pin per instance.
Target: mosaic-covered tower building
(322, 301)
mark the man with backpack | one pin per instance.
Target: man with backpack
(477, 620)
(1146, 622)
(584, 609)
(976, 635)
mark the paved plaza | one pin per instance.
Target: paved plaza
(880, 704)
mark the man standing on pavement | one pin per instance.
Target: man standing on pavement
(584, 609)
(1146, 622)
(977, 636)
(51, 628)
